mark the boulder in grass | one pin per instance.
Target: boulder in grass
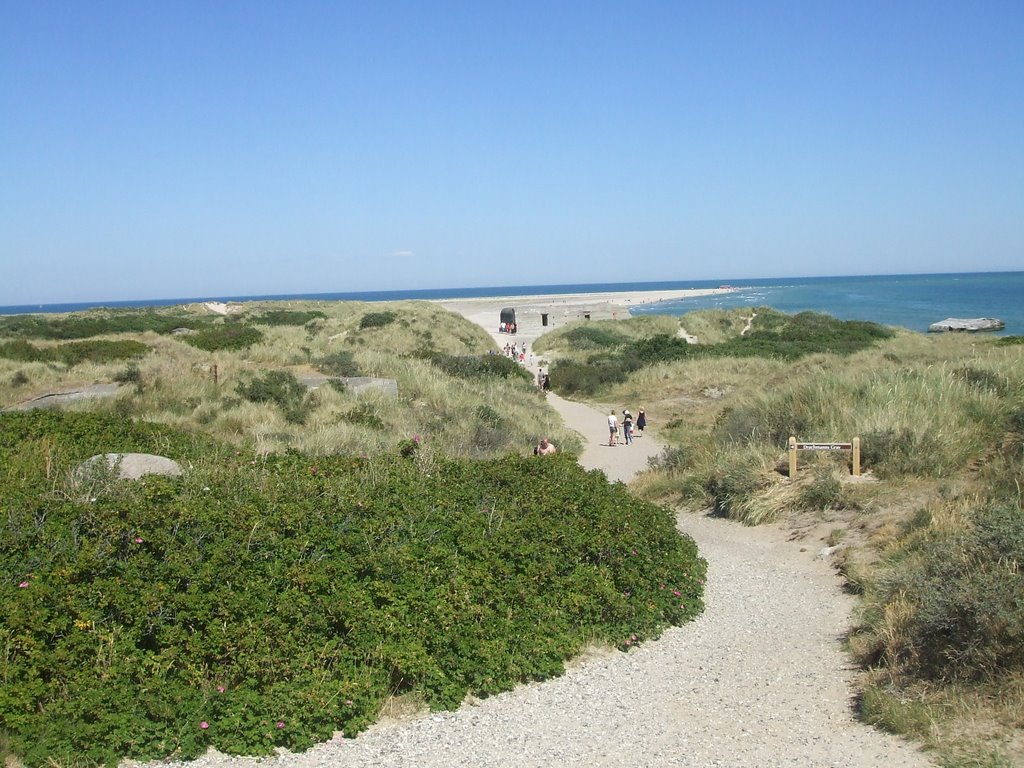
(132, 466)
(970, 325)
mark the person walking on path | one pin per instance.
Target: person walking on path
(627, 427)
(641, 421)
(613, 428)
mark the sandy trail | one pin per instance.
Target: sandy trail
(758, 680)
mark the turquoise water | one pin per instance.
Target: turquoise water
(910, 301)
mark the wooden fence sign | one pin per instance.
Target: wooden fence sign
(794, 446)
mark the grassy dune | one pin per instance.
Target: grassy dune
(932, 536)
(174, 382)
(324, 553)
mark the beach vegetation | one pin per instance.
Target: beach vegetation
(229, 335)
(281, 388)
(285, 316)
(377, 319)
(772, 336)
(929, 535)
(97, 322)
(267, 601)
(339, 363)
(73, 352)
(479, 366)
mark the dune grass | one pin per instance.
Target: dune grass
(174, 382)
(931, 536)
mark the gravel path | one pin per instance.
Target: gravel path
(758, 680)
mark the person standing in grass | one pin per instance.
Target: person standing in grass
(613, 428)
(546, 448)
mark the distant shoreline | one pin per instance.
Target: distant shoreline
(453, 294)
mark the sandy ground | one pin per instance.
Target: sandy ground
(561, 308)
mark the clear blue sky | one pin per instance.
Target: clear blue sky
(190, 149)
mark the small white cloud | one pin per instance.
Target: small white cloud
(403, 254)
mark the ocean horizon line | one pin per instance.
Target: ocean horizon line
(481, 292)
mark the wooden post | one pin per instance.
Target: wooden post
(856, 457)
(215, 374)
(792, 457)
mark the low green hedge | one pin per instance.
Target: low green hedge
(230, 336)
(267, 602)
(73, 352)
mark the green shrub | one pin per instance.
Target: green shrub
(774, 335)
(963, 587)
(282, 389)
(94, 323)
(980, 379)
(1009, 341)
(893, 453)
(825, 492)
(364, 415)
(672, 457)
(75, 352)
(226, 336)
(285, 317)
(593, 337)
(19, 379)
(130, 375)
(377, 319)
(24, 352)
(569, 377)
(479, 366)
(733, 483)
(277, 600)
(340, 363)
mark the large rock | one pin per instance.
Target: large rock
(132, 466)
(971, 325)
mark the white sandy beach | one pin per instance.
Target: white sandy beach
(561, 308)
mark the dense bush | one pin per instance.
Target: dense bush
(262, 603)
(285, 317)
(75, 352)
(377, 319)
(229, 335)
(569, 377)
(1007, 341)
(280, 388)
(774, 335)
(593, 337)
(479, 366)
(960, 590)
(340, 363)
(95, 323)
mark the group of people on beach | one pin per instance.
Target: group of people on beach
(506, 328)
(516, 352)
(630, 428)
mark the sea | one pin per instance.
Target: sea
(908, 301)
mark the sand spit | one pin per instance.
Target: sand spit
(538, 314)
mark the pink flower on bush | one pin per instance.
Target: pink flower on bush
(416, 439)
(313, 470)
(138, 539)
(348, 702)
(676, 592)
(280, 724)
(204, 725)
(220, 689)
(23, 585)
